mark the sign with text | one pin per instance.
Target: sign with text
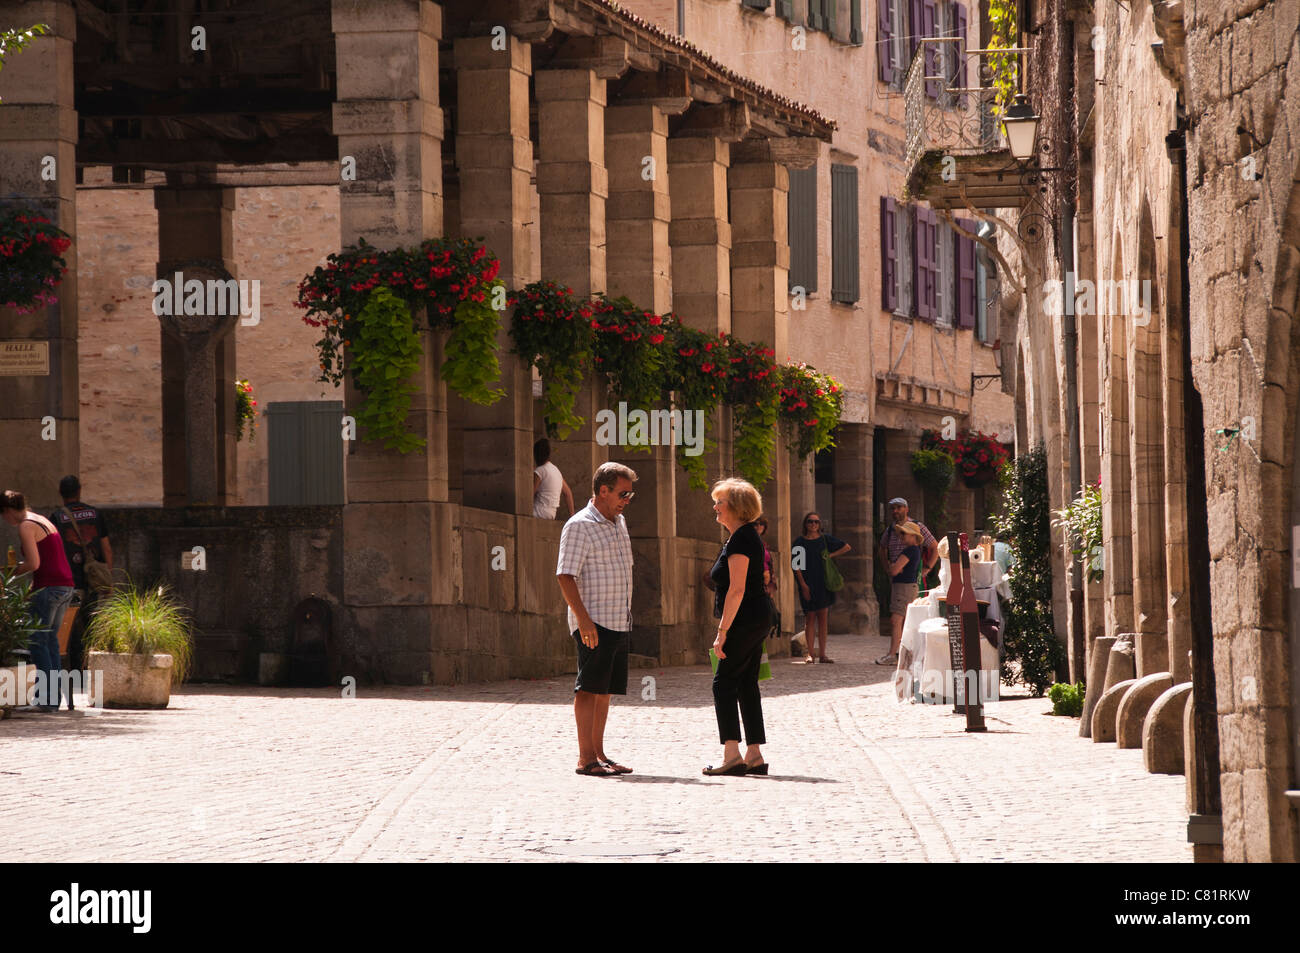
(24, 358)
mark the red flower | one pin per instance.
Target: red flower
(656, 339)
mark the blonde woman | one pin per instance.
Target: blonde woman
(745, 618)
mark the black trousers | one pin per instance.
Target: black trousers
(736, 682)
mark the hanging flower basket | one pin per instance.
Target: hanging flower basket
(979, 456)
(981, 477)
(31, 262)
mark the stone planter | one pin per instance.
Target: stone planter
(133, 681)
(17, 682)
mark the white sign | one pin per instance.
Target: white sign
(24, 358)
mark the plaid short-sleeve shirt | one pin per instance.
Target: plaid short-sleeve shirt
(598, 554)
(896, 543)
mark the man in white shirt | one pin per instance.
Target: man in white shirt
(595, 574)
(548, 483)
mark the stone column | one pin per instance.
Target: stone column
(760, 263)
(196, 243)
(494, 160)
(640, 266)
(572, 186)
(852, 522)
(38, 136)
(402, 575)
(700, 240)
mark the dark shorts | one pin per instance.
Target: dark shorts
(603, 670)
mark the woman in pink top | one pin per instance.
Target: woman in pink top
(44, 558)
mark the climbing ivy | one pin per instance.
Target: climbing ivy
(1005, 66)
(386, 356)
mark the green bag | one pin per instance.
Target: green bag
(764, 667)
(834, 581)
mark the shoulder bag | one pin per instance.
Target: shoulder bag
(98, 576)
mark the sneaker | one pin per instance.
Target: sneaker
(887, 660)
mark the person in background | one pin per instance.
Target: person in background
(904, 572)
(744, 620)
(548, 484)
(806, 554)
(44, 558)
(1002, 553)
(79, 523)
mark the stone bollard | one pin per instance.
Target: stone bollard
(1135, 704)
(1097, 661)
(1121, 665)
(1103, 716)
(1162, 731)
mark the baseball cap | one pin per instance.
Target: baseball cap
(898, 501)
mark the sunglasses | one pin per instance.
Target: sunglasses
(811, 522)
(626, 495)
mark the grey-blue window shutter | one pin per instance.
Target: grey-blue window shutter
(802, 216)
(844, 233)
(305, 453)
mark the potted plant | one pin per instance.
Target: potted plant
(17, 626)
(141, 642)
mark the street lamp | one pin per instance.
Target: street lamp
(1020, 126)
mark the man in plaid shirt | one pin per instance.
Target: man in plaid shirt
(595, 575)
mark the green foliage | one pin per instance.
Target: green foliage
(134, 621)
(1030, 633)
(934, 470)
(470, 364)
(755, 408)
(245, 411)
(1066, 699)
(1005, 66)
(17, 622)
(552, 331)
(387, 354)
(698, 388)
(1081, 520)
(811, 406)
(629, 349)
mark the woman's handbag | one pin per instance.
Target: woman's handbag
(98, 576)
(834, 581)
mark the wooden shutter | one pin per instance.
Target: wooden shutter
(959, 30)
(802, 221)
(757, 4)
(828, 15)
(964, 256)
(885, 39)
(785, 9)
(888, 254)
(855, 22)
(929, 28)
(924, 265)
(844, 233)
(305, 453)
(913, 27)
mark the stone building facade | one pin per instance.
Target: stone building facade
(1161, 361)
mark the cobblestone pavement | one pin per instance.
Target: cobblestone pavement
(485, 772)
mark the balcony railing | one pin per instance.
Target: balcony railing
(945, 119)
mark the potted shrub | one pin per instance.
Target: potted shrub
(17, 626)
(141, 642)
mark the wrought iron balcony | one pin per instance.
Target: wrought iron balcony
(956, 151)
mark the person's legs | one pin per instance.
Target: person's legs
(725, 691)
(896, 620)
(48, 605)
(824, 616)
(584, 713)
(599, 714)
(751, 703)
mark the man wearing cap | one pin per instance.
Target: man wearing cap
(891, 548)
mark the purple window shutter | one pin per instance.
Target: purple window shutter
(888, 255)
(914, 25)
(884, 39)
(923, 256)
(959, 19)
(965, 256)
(928, 20)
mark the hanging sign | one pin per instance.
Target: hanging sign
(24, 358)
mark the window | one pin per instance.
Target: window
(963, 276)
(821, 15)
(895, 257)
(802, 216)
(844, 233)
(945, 312)
(900, 25)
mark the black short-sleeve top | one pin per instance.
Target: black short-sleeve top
(745, 541)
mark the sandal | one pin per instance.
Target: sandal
(826, 661)
(808, 660)
(595, 770)
(615, 767)
(760, 768)
(736, 769)
(887, 660)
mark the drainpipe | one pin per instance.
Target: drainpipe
(1069, 259)
(681, 17)
(1205, 826)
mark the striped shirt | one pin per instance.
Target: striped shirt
(598, 554)
(896, 543)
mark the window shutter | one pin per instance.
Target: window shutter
(802, 221)
(925, 266)
(844, 233)
(304, 456)
(913, 27)
(785, 9)
(757, 4)
(885, 38)
(929, 24)
(888, 255)
(959, 30)
(815, 14)
(965, 258)
(828, 17)
(855, 22)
